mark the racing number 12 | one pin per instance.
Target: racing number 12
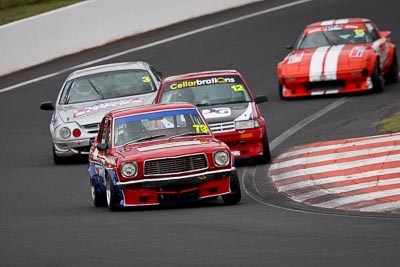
(237, 87)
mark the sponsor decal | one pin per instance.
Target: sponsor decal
(235, 153)
(94, 108)
(210, 113)
(111, 160)
(53, 119)
(171, 144)
(247, 114)
(333, 27)
(95, 154)
(199, 82)
(357, 51)
(295, 58)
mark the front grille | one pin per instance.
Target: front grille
(91, 128)
(223, 127)
(325, 85)
(166, 166)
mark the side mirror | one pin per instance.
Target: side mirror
(102, 146)
(385, 34)
(46, 106)
(261, 99)
(289, 47)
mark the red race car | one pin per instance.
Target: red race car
(338, 56)
(229, 106)
(159, 154)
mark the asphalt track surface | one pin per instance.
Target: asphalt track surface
(46, 214)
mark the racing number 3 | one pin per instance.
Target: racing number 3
(146, 79)
(200, 128)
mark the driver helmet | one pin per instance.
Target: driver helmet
(82, 89)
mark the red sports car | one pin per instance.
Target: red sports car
(159, 154)
(338, 56)
(229, 106)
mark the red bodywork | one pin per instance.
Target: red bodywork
(244, 143)
(153, 189)
(340, 66)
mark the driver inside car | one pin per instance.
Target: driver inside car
(132, 131)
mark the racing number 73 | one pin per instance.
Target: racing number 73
(200, 128)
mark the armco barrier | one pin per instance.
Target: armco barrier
(92, 23)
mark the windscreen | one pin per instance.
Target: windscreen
(107, 85)
(206, 91)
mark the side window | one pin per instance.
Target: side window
(104, 133)
(372, 31)
(156, 73)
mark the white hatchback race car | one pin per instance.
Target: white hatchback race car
(88, 94)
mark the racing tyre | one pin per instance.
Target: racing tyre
(378, 81)
(111, 195)
(236, 194)
(392, 76)
(266, 156)
(280, 88)
(99, 200)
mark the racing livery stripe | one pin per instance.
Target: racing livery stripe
(317, 63)
(333, 22)
(324, 63)
(331, 62)
(357, 174)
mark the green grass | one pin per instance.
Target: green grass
(12, 10)
(390, 125)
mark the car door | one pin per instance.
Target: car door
(381, 44)
(101, 148)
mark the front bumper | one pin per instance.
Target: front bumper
(303, 89)
(71, 148)
(175, 189)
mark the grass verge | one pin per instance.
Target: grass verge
(15, 10)
(389, 125)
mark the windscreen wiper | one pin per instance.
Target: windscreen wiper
(187, 134)
(95, 89)
(146, 138)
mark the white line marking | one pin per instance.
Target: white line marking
(358, 198)
(382, 207)
(173, 38)
(277, 141)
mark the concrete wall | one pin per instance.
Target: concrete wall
(92, 23)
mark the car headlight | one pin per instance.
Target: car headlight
(221, 158)
(250, 124)
(129, 169)
(65, 132)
